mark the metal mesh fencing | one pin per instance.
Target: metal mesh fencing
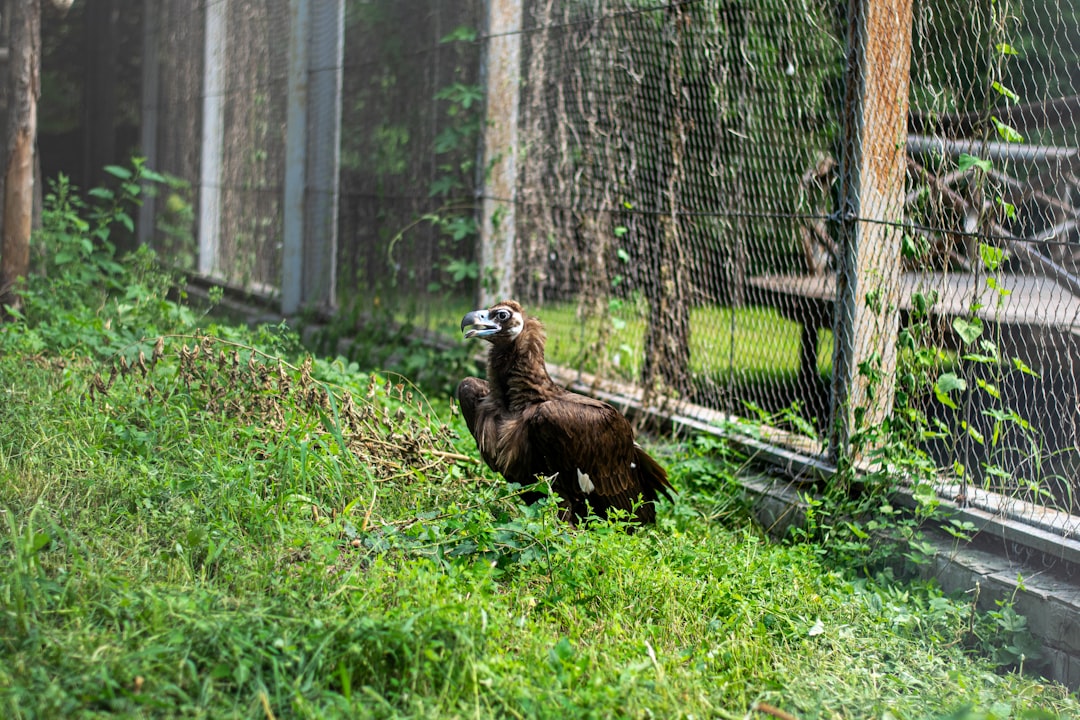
(992, 193)
(848, 225)
(666, 147)
(253, 142)
(411, 123)
(696, 217)
(219, 126)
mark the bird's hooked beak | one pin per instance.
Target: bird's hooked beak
(479, 323)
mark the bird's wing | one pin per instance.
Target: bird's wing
(470, 392)
(590, 445)
(480, 418)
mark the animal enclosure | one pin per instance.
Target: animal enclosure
(836, 222)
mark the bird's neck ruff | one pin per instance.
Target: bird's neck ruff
(516, 370)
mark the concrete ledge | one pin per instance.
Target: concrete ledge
(1050, 602)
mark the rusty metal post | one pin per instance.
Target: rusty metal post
(501, 71)
(872, 192)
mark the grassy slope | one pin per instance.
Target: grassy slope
(173, 557)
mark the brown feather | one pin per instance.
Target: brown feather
(526, 427)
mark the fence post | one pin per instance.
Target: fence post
(325, 75)
(296, 134)
(213, 129)
(149, 122)
(872, 169)
(501, 68)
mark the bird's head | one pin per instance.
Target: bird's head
(502, 322)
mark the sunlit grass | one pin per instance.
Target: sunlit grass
(743, 342)
(167, 551)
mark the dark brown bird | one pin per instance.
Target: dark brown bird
(527, 426)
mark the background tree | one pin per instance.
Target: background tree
(21, 90)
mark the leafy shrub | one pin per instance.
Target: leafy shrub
(80, 295)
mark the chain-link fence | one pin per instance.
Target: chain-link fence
(410, 127)
(690, 199)
(850, 226)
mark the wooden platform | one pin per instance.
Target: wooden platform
(1032, 308)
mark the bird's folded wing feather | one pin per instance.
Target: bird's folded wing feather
(575, 434)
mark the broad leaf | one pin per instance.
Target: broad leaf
(969, 329)
(966, 162)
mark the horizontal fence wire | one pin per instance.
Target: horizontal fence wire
(679, 203)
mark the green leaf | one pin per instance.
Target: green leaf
(620, 230)
(1006, 49)
(121, 172)
(1009, 208)
(990, 388)
(1022, 367)
(39, 542)
(992, 256)
(945, 384)
(100, 192)
(1007, 133)
(463, 33)
(1004, 91)
(623, 255)
(993, 284)
(969, 330)
(966, 162)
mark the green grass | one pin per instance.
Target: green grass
(223, 537)
(744, 343)
(211, 526)
(748, 342)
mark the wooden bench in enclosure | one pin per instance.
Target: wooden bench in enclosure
(1042, 309)
(1036, 312)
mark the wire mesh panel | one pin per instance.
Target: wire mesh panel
(179, 36)
(411, 123)
(706, 191)
(684, 214)
(674, 151)
(253, 163)
(251, 63)
(992, 257)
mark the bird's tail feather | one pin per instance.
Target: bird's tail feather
(652, 475)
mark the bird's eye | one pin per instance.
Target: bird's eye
(502, 316)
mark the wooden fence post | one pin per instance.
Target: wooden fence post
(872, 170)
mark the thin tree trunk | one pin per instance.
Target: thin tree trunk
(19, 139)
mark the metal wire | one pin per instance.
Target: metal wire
(679, 209)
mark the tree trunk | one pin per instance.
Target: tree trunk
(19, 138)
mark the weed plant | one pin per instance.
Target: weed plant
(205, 523)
